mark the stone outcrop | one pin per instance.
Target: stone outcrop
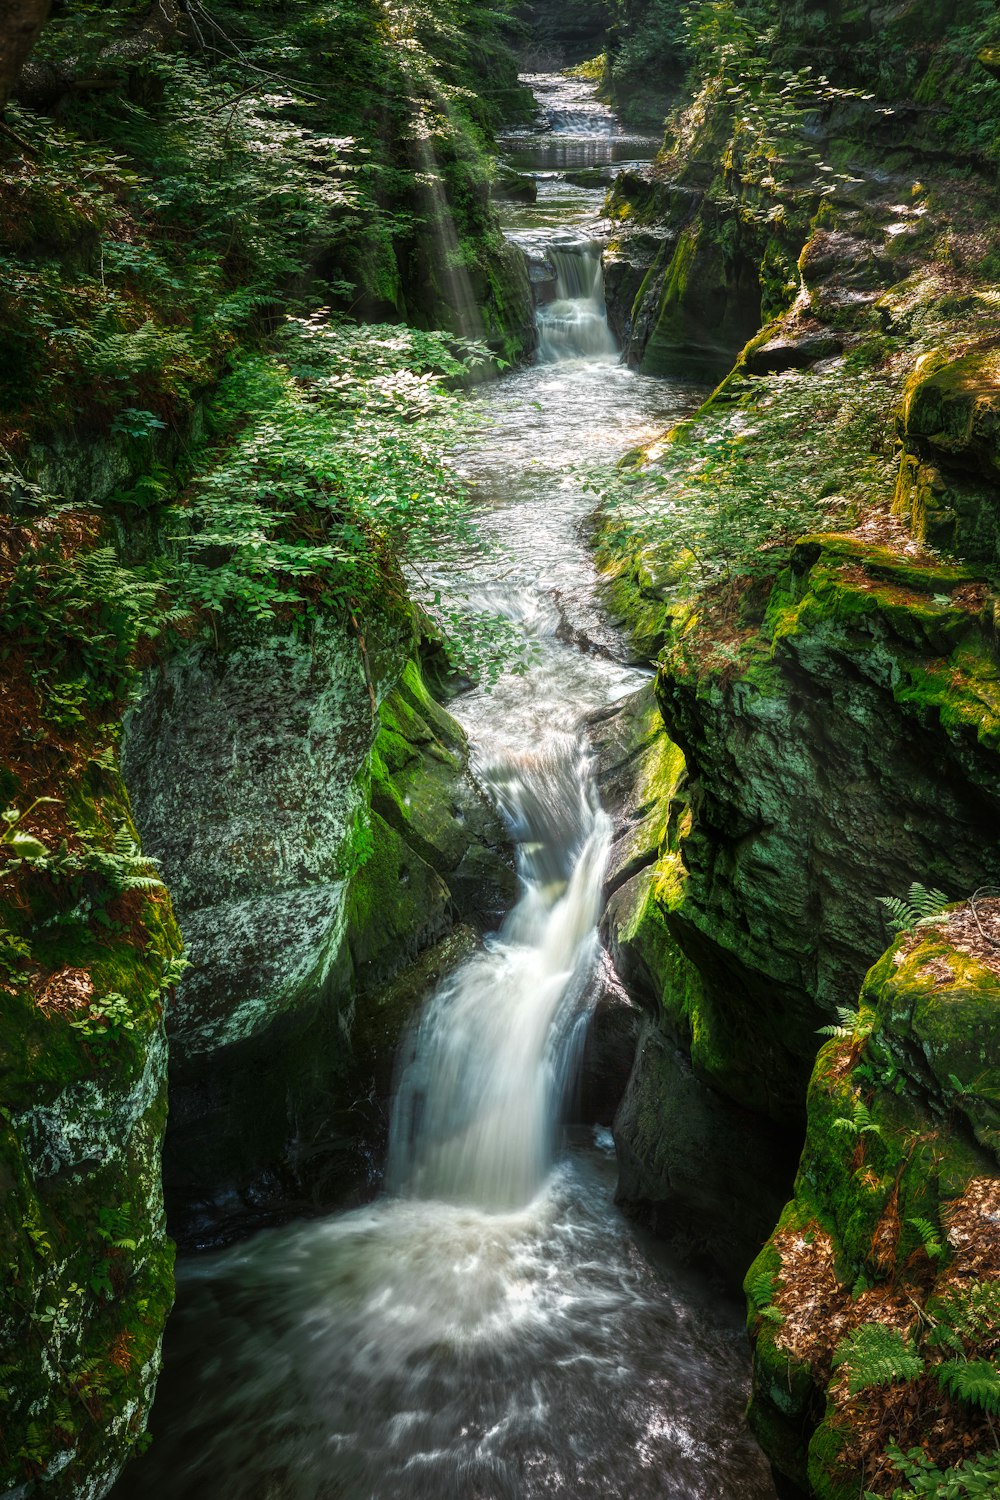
(87, 952)
(847, 749)
(313, 853)
(949, 476)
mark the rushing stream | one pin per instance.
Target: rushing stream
(491, 1327)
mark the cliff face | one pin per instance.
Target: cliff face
(312, 852)
(848, 749)
(828, 692)
(162, 209)
(89, 952)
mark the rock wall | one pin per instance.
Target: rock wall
(850, 750)
(312, 852)
(86, 966)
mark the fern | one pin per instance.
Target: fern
(967, 1317)
(929, 1237)
(921, 906)
(849, 1024)
(974, 1380)
(124, 866)
(760, 1291)
(876, 1355)
(858, 1123)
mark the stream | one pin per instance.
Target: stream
(490, 1327)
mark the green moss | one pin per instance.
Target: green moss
(87, 1269)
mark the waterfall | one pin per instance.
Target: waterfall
(574, 324)
(485, 1072)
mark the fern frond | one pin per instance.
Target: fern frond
(967, 1317)
(929, 1237)
(921, 906)
(974, 1380)
(927, 901)
(847, 1021)
(876, 1355)
(901, 917)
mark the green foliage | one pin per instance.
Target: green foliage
(859, 1122)
(974, 1380)
(920, 908)
(159, 219)
(761, 1290)
(855, 1024)
(338, 458)
(19, 843)
(930, 1237)
(724, 498)
(972, 1479)
(78, 619)
(876, 1355)
(966, 1318)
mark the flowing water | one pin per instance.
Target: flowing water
(491, 1327)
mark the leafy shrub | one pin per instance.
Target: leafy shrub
(975, 1478)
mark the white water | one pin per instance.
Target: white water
(476, 1109)
(574, 325)
(493, 1330)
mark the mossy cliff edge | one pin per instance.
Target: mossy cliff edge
(811, 562)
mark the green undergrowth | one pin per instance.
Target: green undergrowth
(159, 220)
(766, 461)
(880, 1288)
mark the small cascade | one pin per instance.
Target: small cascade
(486, 1071)
(574, 324)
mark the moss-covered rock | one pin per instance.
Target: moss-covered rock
(705, 1171)
(313, 852)
(949, 474)
(893, 1222)
(85, 969)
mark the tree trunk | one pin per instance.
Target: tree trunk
(20, 23)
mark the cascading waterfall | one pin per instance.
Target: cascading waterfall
(490, 1329)
(574, 324)
(476, 1107)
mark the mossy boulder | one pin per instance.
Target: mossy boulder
(851, 751)
(314, 851)
(85, 970)
(949, 475)
(845, 747)
(700, 1168)
(893, 1217)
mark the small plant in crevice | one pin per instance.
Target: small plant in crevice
(761, 1290)
(859, 1122)
(921, 907)
(930, 1238)
(855, 1024)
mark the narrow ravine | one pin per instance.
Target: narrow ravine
(491, 1326)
